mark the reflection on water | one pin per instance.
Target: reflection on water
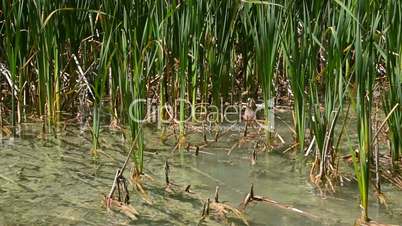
(56, 181)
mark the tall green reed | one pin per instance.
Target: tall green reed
(142, 52)
(298, 54)
(104, 59)
(394, 66)
(365, 76)
(332, 80)
(188, 48)
(196, 58)
(183, 21)
(267, 32)
(220, 21)
(14, 50)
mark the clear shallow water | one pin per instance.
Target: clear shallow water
(45, 180)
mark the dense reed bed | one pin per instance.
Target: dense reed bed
(106, 62)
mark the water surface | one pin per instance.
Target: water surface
(46, 180)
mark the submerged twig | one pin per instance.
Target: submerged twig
(16, 183)
(251, 197)
(291, 147)
(232, 148)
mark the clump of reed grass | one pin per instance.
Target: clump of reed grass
(206, 52)
(332, 79)
(364, 77)
(267, 37)
(298, 55)
(393, 96)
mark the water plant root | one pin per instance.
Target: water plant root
(121, 204)
(114, 205)
(137, 181)
(360, 222)
(220, 211)
(325, 176)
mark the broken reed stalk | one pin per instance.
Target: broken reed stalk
(27, 188)
(114, 184)
(377, 153)
(205, 209)
(119, 174)
(187, 189)
(216, 197)
(251, 197)
(167, 171)
(384, 122)
(1, 118)
(170, 185)
(254, 157)
(221, 210)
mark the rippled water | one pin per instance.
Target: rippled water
(47, 180)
